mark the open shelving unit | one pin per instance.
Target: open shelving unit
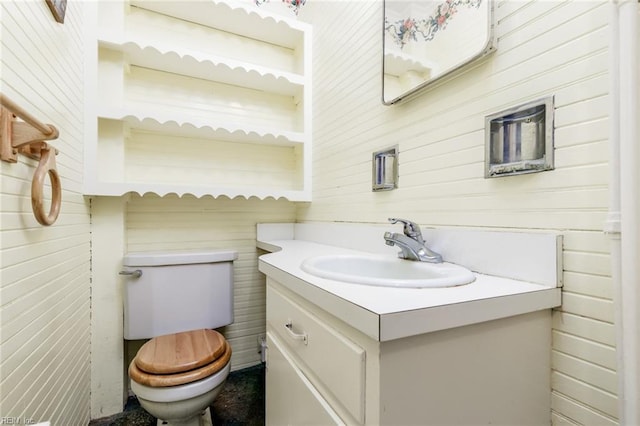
(205, 97)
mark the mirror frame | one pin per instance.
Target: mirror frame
(489, 46)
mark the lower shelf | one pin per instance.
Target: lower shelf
(133, 160)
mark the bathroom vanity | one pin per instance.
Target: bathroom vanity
(341, 353)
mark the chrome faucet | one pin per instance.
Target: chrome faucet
(411, 243)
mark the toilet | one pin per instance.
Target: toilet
(177, 300)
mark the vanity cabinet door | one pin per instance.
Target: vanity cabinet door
(334, 363)
(291, 398)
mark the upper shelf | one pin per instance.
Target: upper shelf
(232, 17)
(207, 67)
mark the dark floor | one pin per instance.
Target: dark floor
(241, 402)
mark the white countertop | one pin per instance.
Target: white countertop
(385, 313)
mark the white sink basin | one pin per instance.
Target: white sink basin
(387, 271)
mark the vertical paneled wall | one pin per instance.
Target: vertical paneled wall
(172, 223)
(44, 271)
(545, 48)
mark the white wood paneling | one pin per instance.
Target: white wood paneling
(588, 350)
(592, 397)
(45, 271)
(545, 48)
(574, 413)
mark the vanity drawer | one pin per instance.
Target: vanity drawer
(332, 360)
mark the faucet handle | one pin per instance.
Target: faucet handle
(411, 229)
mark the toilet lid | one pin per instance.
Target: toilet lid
(181, 358)
(180, 352)
(166, 380)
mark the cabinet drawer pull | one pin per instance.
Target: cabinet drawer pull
(294, 335)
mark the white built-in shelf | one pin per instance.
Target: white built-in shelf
(160, 121)
(202, 97)
(208, 67)
(234, 17)
(199, 191)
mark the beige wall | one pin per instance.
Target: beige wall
(544, 48)
(45, 271)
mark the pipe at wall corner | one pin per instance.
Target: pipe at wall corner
(622, 223)
(612, 224)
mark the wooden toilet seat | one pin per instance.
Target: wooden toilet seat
(180, 358)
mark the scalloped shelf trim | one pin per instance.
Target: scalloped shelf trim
(202, 129)
(142, 189)
(262, 14)
(218, 14)
(195, 64)
(289, 196)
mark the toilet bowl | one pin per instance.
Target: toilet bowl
(177, 299)
(177, 376)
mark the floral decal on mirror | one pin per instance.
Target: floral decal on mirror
(403, 31)
(294, 5)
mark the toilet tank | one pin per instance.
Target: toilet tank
(177, 291)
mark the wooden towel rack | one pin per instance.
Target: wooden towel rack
(28, 137)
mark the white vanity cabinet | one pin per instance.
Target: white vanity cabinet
(202, 97)
(320, 370)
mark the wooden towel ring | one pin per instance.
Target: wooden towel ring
(27, 137)
(46, 166)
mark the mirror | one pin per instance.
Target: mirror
(425, 40)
